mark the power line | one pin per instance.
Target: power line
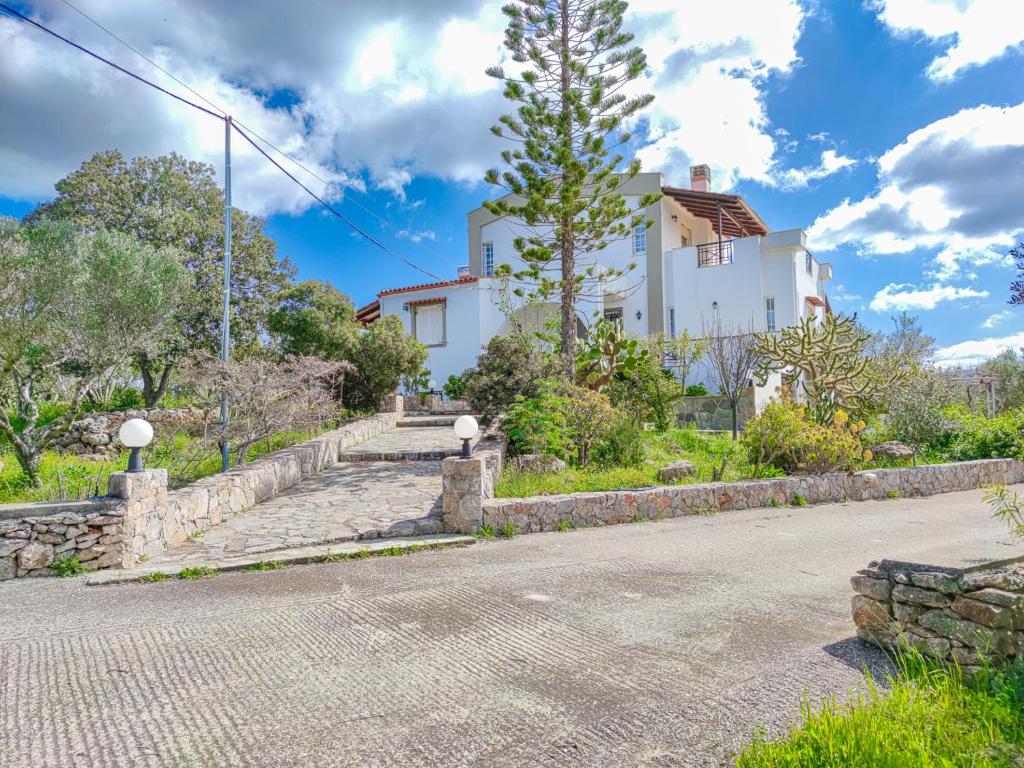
(281, 152)
(329, 207)
(16, 14)
(108, 62)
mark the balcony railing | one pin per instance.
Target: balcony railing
(714, 254)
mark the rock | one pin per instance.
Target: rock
(868, 613)
(8, 568)
(906, 613)
(10, 546)
(35, 555)
(908, 594)
(936, 647)
(940, 582)
(980, 638)
(877, 589)
(983, 613)
(537, 462)
(676, 471)
(892, 449)
(1007, 580)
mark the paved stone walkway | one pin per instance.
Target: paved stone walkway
(385, 487)
(653, 645)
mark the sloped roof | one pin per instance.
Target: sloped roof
(738, 218)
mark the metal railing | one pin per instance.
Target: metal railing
(714, 254)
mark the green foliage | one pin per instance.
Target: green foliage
(73, 304)
(974, 436)
(1006, 370)
(313, 318)
(799, 500)
(197, 572)
(67, 566)
(915, 409)
(382, 355)
(507, 370)
(697, 390)
(537, 425)
(606, 353)
(508, 530)
(923, 716)
(266, 565)
(827, 357)
(571, 106)
(485, 532)
(785, 437)
(455, 387)
(649, 394)
(122, 399)
(621, 445)
(173, 202)
(153, 578)
(1008, 506)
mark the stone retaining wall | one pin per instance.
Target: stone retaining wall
(432, 404)
(141, 517)
(966, 616)
(546, 513)
(94, 436)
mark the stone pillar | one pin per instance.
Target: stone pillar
(462, 483)
(142, 494)
(392, 403)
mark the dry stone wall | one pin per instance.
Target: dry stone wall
(95, 436)
(547, 513)
(141, 517)
(967, 616)
(715, 412)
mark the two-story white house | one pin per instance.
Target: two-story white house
(706, 255)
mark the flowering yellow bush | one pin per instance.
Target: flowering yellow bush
(785, 437)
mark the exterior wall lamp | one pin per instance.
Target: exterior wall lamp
(638, 314)
(135, 434)
(465, 430)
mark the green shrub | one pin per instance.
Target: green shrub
(973, 436)
(537, 425)
(648, 394)
(507, 371)
(455, 387)
(697, 390)
(785, 437)
(382, 354)
(67, 566)
(621, 446)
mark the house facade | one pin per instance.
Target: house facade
(706, 255)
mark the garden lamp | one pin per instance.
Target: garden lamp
(465, 430)
(135, 434)
(433, 385)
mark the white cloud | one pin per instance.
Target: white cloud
(902, 296)
(977, 350)
(974, 31)
(953, 186)
(830, 162)
(417, 236)
(841, 293)
(995, 319)
(383, 92)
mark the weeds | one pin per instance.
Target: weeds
(152, 578)
(266, 565)
(509, 530)
(67, 566)
(197, 572)
(799, 500)
(485, 532)
(564, 525)
(893, 494)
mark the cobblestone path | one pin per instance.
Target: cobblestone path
(388, 486)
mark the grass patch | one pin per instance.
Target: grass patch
(485, 532)
(197, 572)
(508, 530)
(266, 565)
(929, 716)
(893, 494)
(195, 535)
(706, 451)
(152, 578)
(66, 567)
(564, 525)
(799, 500)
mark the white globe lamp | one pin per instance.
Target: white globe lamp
(465, 430)
(135, 434)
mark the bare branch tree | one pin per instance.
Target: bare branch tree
(732, 356)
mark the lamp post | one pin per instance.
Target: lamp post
(465, 430)
(135, 434)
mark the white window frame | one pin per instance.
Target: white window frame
(443, 306)
(809, 262)
(640, 238)
(769, 313)
(487, 258)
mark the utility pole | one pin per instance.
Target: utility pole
(225, 329)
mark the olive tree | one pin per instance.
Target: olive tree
(75, 304)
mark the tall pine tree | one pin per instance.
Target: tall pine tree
(565, 183)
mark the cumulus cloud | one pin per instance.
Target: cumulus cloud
(376, 93)
(842, 293)
(830, 162)
(974, 31)
(977, 350)
(903, 296)
(996, 318)
(417, 236)
(953, 186)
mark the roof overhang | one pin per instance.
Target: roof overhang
(738, 219)
(367, 314)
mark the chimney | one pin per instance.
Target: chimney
(700, 178)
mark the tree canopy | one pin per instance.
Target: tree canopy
(313, 318)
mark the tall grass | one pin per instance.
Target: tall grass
(925, 716)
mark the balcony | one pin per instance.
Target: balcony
(714, 254)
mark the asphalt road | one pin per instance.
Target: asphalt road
(653, 644)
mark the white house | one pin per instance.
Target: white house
(706, 254)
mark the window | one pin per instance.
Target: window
(808, 262)
(488, 259)
(672, 322)
(613, 315)
(769, 307)
(428, 324)
(640, 238)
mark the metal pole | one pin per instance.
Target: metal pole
(225, 328)
(720, 233)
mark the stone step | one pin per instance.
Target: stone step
(434, 455)
(296, 556)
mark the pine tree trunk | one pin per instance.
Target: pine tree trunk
(568, 297)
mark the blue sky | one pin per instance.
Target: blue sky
(892, 130)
